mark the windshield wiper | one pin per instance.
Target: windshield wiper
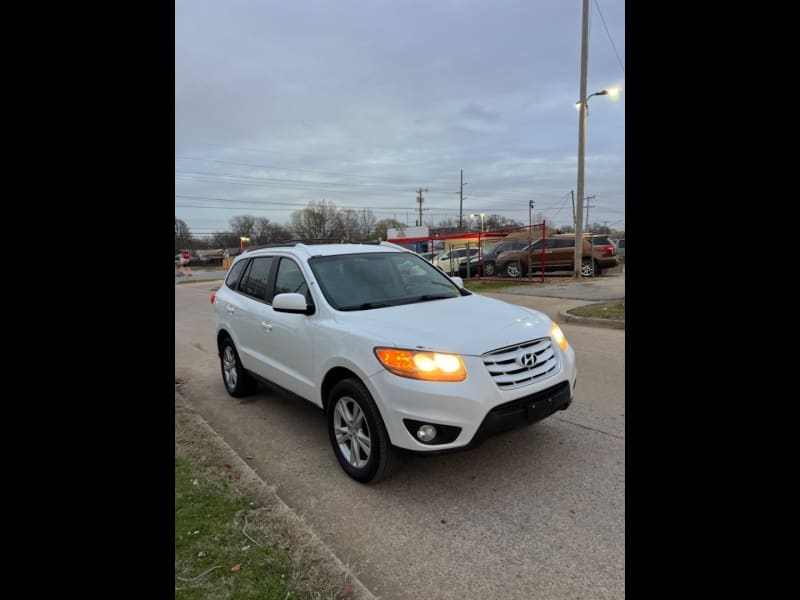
(365, 306)
(427, 297)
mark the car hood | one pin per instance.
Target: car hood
(470, 325)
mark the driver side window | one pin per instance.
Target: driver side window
(290, 279)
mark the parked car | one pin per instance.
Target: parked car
(485, 264)
(389, 347)
(620, 244)
(559, 255)
(449, 260)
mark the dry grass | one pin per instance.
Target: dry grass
(235, 539)
(602, 310)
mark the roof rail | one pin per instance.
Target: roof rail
(305, 242)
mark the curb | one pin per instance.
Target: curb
(254, 483)
(592, 321)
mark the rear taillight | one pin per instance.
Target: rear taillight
(610, 249)
(213, 297)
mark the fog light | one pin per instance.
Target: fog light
(426, 433)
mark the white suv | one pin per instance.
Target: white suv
(396, 353)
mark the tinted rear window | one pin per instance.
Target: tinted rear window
(233, 276)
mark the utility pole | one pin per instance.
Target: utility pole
(420, 200)
(574, 222)
(582, 139)
(588, 206)
(461, 203)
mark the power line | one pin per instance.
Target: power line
(279, 168)
(610, 39)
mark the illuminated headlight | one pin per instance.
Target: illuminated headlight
(428, 366)
(558, 336)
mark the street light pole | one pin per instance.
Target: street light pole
(530, 208)
(583, 108)
(481, 216)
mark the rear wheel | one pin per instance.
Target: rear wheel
(357, 433)
(237, 381)
(587, 266)
(488, 269)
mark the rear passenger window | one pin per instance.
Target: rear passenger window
(235, 272)
(254, 281)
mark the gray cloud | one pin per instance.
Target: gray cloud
(364, 101)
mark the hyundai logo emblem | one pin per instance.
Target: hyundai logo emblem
(527, 360)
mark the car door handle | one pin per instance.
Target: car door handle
(266, 326)
(230, 309)
(548, 251)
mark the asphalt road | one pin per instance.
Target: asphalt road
(534, 513)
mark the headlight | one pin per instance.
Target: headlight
(429, 366)
(558, 336)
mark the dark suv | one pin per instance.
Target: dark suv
(486, 265)
(559, 255)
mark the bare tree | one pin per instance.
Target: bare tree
(183, 236)
(382, 226)
(269, 233)
(498, 222)
(349, 222)
(317, 220)
(243, 225)
(448, 223)
(366, 223)
(225, 239)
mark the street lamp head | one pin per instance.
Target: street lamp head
(613, 92)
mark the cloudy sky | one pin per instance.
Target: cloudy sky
(362, 102)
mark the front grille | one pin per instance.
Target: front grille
(522, 364)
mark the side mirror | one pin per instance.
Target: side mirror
(458, 281)
(291, 302)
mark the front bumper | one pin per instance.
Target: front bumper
(524, 411)
(476, 406)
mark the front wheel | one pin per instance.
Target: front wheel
(587, 267)
(357, 433)
(514, 269)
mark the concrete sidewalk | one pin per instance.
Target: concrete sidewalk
(607, 287)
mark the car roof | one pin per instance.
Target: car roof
(325, 249)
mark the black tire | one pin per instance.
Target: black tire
(367, 456)
(514, 269)
(588, 266)
(488, 269)
(237, 381)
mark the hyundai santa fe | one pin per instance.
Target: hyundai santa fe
(389, 347)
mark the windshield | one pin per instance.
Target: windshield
(366, 281)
